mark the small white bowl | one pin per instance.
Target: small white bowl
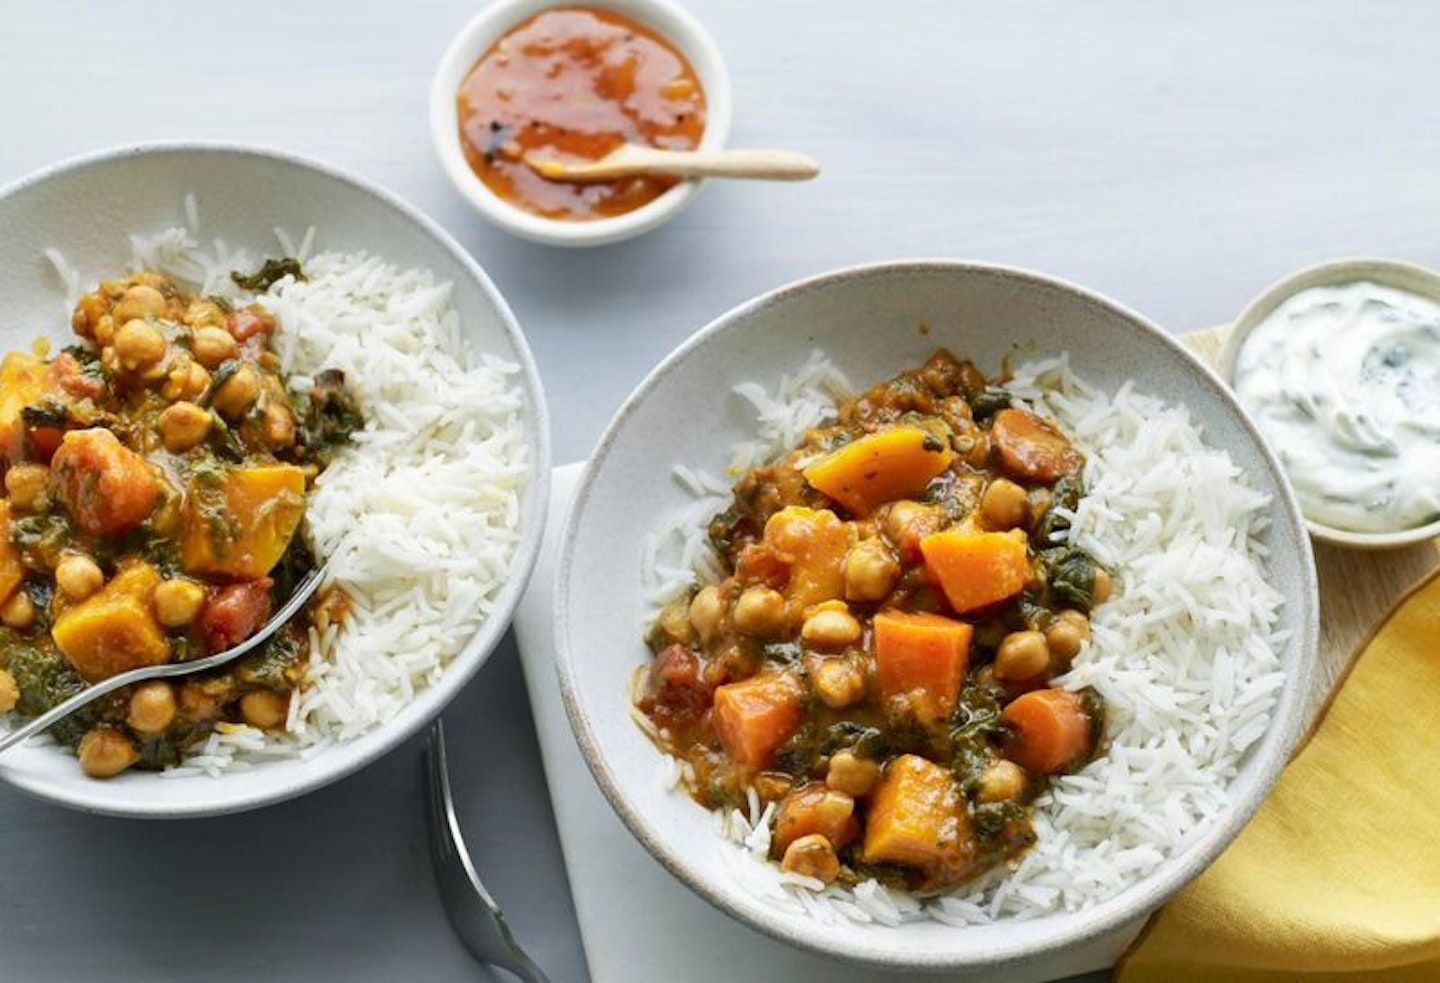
(865, 319)
(670, 21)
(86, 208)
(1406, 277)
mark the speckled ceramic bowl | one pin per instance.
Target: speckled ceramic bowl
(87, 208)
(869, 321)
(1391, 273)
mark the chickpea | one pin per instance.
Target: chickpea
(906, 523)
(707, 610)
(18, 612)
(139, 345)
(26, 486)
(1037, 503)
(831, 628)
(870, 571)
(202, 313)
(812, 856)
(78, 576)
(238, 393)
(265, 708)
(772, 786)
(1002, 781)
(212, 346)
(178, 602)
(105, 752)
(852, 774)
(105, 331)
(139, 302)
(9, 692)
(200, 699)
(839, 683)
(1003, 505)
(1022, 655)
(277, 426)
(1066, 633)
(1103, 585)
(183, 426)
(760, 612)
(152, 707)
(673, 623)
(88, 311)
(978, 456)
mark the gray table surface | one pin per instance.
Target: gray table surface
(1177, 157)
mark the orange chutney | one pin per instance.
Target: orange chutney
(573, 84)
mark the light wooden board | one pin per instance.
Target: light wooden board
(1357, 587)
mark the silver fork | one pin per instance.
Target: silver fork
(304, 590)
(473, 913)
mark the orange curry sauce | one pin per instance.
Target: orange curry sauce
(574, 84)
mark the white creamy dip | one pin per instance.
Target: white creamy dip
(1345, 383)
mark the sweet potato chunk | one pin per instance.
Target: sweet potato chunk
(240, 524)
(879, 468)
(922, 656)
(814, 809)
(114, 630)
(918, 817)
(755, 716)
(1047, 731)
(107, 488)
(1031, 449)
(12, 570)
(977, 569)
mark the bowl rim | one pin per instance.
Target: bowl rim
(1397, 274)
(386, 737)
(1135, 903)
(672, 22)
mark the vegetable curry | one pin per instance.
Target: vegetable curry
(878, 661)
(154, 484)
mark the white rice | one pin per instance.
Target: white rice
(1185, 654)
(419, 518)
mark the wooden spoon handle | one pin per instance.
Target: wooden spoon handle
(763, 165)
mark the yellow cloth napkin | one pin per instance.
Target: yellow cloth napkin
(1338, 875)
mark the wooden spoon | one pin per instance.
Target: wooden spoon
(630, 158)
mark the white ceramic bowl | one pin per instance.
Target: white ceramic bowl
(666, 18)
(1388, 273)
(868, 320)
(85, 208)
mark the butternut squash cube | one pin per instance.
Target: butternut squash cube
(977, 569)
(755, 716)
(114, 630)
(24, 379)
(813, 544)
(240, 523)
(880, 467)
(918, 817)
